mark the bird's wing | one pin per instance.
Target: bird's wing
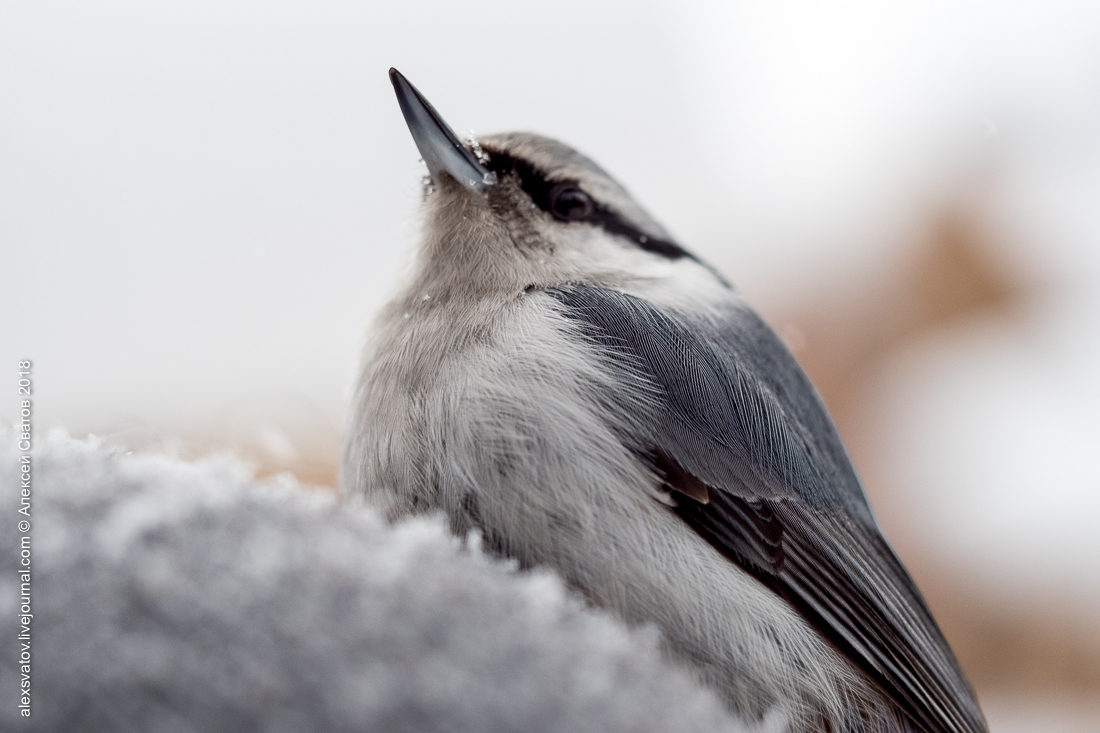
(729, 419)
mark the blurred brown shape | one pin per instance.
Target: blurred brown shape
(842, 338)
(273, 432)
(956, 276)
(283, 432)
(1037, 644)
(317, 468)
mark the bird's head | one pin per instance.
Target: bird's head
(515, 212)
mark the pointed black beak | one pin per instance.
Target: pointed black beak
(438, 144)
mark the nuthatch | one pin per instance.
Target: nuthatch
(562, 376)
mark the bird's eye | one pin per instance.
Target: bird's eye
(569, 203)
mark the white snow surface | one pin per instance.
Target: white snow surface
(177, 596)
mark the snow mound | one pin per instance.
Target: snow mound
(177, 596)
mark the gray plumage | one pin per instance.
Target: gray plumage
(562, 376)
(172, 597)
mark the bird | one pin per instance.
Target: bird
(559, 376)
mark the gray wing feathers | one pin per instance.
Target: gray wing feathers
(721, 425)
(734, 410)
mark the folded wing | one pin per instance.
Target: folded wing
(729, 419)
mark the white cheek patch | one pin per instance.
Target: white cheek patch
(683, 284)
(680, 284)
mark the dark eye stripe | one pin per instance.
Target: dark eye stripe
(612, 223)
(534, 182)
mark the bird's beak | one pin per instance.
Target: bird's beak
(438, 144)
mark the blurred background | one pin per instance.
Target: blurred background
(202, 205)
